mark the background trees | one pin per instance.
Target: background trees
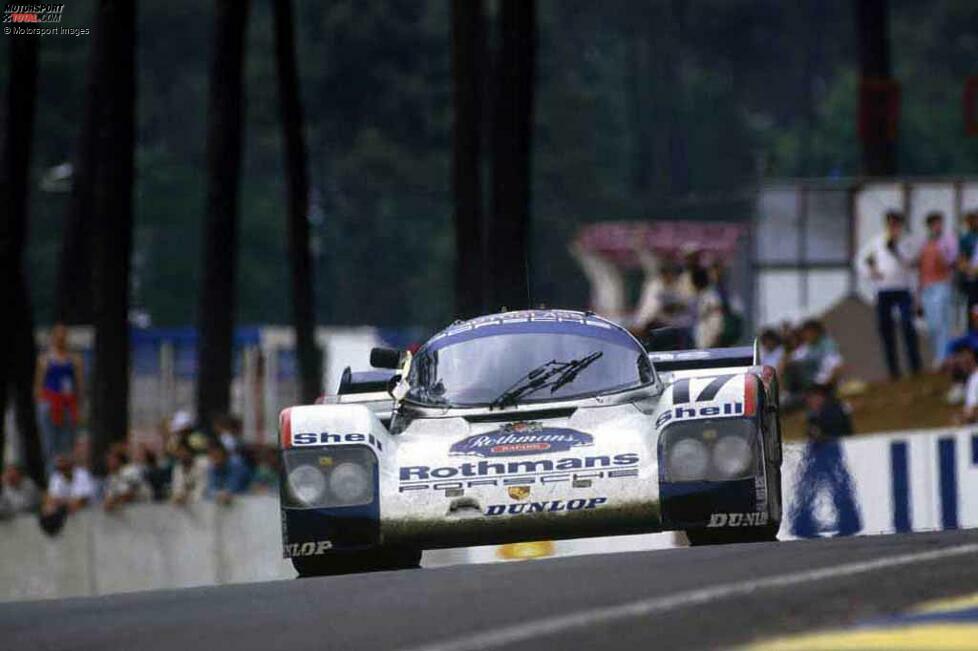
(765, 88)
(508, 231)
(297, 197)
(218, 290)
(112, 223)
(469, 60)
(17, 348)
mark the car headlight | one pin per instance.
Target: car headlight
(688, 460)
(329, 477)
(307, 484)
(732, 456)
(350, 483)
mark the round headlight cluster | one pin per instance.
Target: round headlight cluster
(350, 483)
(688, 460)
(307, 484)
(732, 456)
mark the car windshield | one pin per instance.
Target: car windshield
(507, 368)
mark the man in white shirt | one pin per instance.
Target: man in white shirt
(70, 486)
(888, 260)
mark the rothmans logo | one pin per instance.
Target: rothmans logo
(514, 439)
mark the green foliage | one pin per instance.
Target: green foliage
(758, 87)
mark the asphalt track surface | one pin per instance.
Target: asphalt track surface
(671, 599)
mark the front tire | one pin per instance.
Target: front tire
(371, 560)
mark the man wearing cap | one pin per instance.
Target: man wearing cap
(888, 261)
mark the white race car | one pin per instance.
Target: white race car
(529, 425)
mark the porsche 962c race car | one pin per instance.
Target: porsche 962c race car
(529, 425)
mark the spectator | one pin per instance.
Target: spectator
(968, 241)
(771, 348)
(823, 467)
(733, 318)
(58, 390)
(227, 427)
(692, 266)
(816, 360)
(888, 260)
(123, 481)
(182, 430)
(229, 475)
(155, 475)
(827, 416)
(662, 304)
(967, 245)
(70, 487)
(967, 364)
(709, 311)
(937, 259)
(970, 336)
(266, 475)
(18, 493)
(189, 475)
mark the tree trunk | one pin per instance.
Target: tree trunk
(17, 348)
(512, 126)
(224, 142)
(297, 175)
(468, 54)
(879, 94)
(113, 223)
(73, 296)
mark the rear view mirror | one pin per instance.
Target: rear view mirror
(385, 358)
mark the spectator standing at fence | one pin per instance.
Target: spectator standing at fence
(816, 360)
(18, 492)
(58, 390)
(227, 427)
(123, 482)
(967, 245)
(229, 475)
(71, 487)
(937, 259)
(888, 261)
(265, 479)
(189, 479)
(156, 475)
(770, 348)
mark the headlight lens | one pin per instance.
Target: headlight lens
(688, 460)
(329, 477)
(307, 484)
(709, 450)
(349, 484)
(732, 456)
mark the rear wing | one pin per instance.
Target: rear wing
(368, 388)
(694, 360)
(364, 382)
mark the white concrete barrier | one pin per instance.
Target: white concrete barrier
(143, 547)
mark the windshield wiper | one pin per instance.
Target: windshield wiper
(569, 373)
(562, 373)
(530, 382)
